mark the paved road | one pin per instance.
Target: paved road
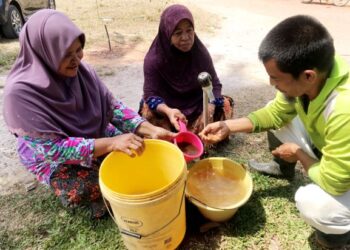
(245, 23)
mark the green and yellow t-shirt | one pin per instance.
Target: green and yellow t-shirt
(327, 122)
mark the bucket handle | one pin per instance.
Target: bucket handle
(204, 204)
(139, 236)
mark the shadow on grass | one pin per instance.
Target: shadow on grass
(315, 246)
(251, 217)
(194, 239)
(247, 221)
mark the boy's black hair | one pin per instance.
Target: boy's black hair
(298, 43)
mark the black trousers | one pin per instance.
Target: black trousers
(287, 168)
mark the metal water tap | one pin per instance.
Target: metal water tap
(204, 80)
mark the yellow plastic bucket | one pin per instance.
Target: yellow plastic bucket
(218, 187)
(146, 195)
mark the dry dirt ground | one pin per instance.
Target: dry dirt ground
(233, 46)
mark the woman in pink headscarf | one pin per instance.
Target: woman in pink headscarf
(64, 117)
(171, 91)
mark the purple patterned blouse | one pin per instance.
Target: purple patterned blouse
(42, 156)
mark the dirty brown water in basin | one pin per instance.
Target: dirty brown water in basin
(216, 187)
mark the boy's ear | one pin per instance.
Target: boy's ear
(309, 75)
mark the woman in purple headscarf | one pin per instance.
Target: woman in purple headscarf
(64, 117)
(171, 91)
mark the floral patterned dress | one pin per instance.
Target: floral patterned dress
(67, 165)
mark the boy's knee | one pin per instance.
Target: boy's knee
(310, 206)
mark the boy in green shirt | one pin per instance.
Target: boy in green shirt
(310, 111)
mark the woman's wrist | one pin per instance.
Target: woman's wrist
(153, 102)
(218, 102)
(145, 129)
(164, 109)
(102, 146)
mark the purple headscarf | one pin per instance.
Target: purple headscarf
(172, 74)
(40, 103)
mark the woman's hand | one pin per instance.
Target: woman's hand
(126, 143)
(214, 132)
(175, 116)
(148, 130)
(162, 134)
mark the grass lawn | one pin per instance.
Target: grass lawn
(269, 220)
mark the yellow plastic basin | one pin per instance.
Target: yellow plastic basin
(218, 187)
